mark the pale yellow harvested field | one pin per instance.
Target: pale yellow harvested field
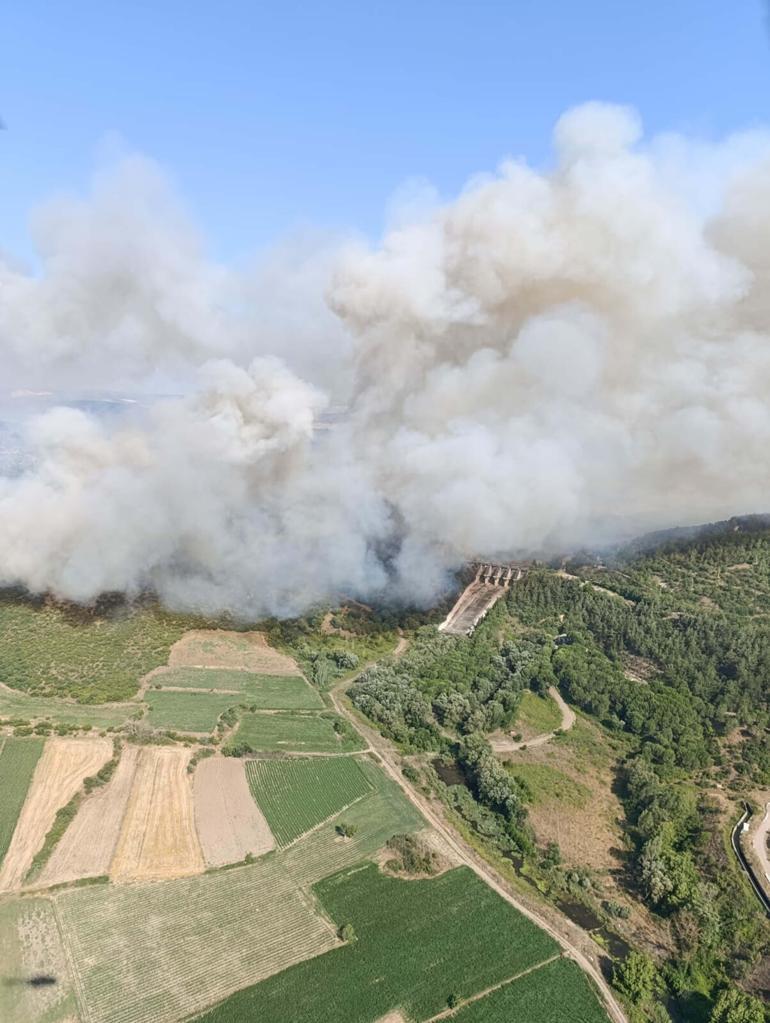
(229, 823)
(58, 776)
(158, 837)
(218, 648)
(88, 845)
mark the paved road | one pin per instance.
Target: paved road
(567, 721)
(575, 942)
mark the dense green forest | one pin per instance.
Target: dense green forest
(667, 646)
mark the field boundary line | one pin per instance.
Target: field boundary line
(317, 827)
(448, 1013)
(77, 983)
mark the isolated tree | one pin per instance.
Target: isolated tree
(346, 830)
(347, 932)
(637, 977)
(734, 1006)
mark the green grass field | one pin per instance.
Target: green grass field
(296, 795)
(416, 943)
(187, 712)
(48, 650)
(296, 732)
(266, 692)
(538, 714)
(550, 785)
(18, 758)
(559, 992)
(20, 706)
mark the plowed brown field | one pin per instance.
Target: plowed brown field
(218, 648)
(87, 846)
(158, 837)
(229, 822)
(58, 776)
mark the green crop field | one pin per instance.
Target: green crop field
(296, 795)
(416, 943)
(559, 992)
(266, 692)
(187, 712)
(47, 650)
(298, 732)
(17, 764)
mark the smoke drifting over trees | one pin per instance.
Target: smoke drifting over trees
(550, 359)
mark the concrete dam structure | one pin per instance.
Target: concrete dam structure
(489, 584)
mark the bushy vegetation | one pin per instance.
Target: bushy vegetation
(417, 943)
(94, 655)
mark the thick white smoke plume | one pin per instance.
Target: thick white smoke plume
(551, 359)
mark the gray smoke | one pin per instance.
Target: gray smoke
(551, 359)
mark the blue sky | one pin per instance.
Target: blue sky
(270, 116)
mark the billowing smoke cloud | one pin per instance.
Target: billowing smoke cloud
(551, 359)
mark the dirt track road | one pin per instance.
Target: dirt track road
(759, 844)
(575, 942)
(567, 722)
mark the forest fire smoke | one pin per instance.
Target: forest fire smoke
(550, 359)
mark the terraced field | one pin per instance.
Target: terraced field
(296, 795)
(153, 953)
(296, 732)
(417, 943)
(266, 692)
(18, 758)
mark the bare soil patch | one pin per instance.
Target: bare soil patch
(218, 648)
(229, 823)
(58, 776)
(88, 845)
(392, 1017)
(158, 837)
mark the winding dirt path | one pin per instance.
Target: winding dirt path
(759, 844)
(576, 943)
(503, 745)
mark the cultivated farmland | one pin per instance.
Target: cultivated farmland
(59, 773)
(158, 837)
(296, 795)
(217, 648)
(18, 759)
(30, 946)
(296, 732)
(267, 692)
(187, 712)
(416, 943)
(152, 953)
(556, 993)
(229, 823)
(37, 708)
(87, 846)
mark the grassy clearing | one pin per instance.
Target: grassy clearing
(266, 692)
(549, 785)
(47, 650)
(537, 714)
(30, 945)
(20, 707)
(416, 943)
(18, 759)
(156, 952)
(556, 993)
(313, 733)
(187, 712)
(296, 795)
